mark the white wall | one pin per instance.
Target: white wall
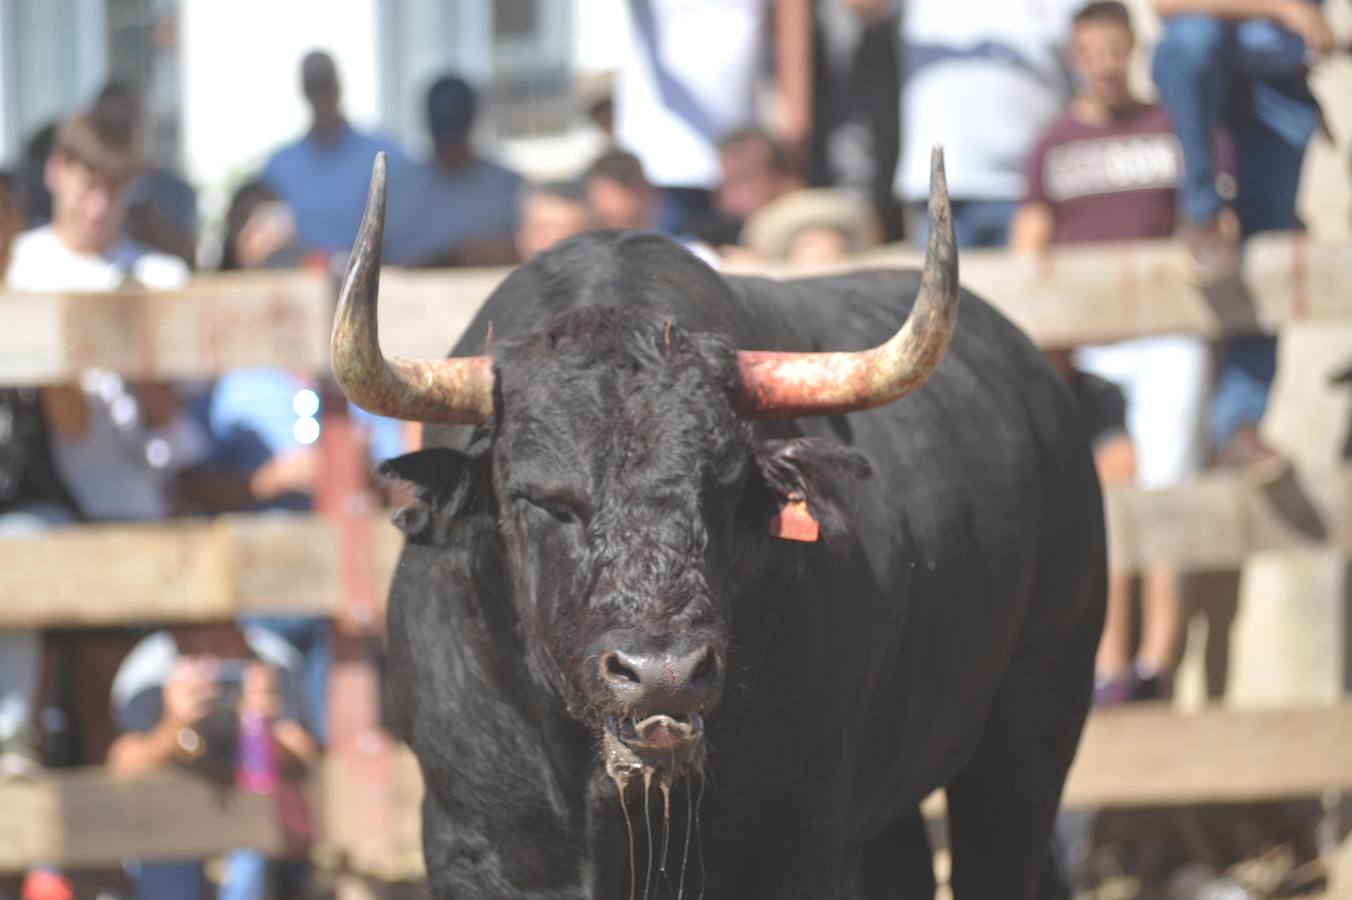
(241, 77)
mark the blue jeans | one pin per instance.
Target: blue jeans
(21, 650)
(245, 878)
(976, 223)
(1249, 78)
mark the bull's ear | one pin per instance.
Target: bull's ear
(425, 468)
(446, 488)
(802, 477)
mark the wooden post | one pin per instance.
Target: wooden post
(355, 735)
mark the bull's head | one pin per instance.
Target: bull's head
(628, 490)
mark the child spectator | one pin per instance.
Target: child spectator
(118, 446)
(1108, 169)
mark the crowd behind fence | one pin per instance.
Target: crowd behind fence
(197, 544)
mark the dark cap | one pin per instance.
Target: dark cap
(450, 107)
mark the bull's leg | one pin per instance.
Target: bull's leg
(894, 865)
(1002, 805)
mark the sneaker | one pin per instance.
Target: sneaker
(1112, 690)
(18, 760)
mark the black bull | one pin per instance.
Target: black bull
(613, 515)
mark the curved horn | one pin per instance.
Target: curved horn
(457, 391)
(783, 385)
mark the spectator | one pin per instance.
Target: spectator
(690, 76)
(1241, 65)
(161, 207)
(550, 213)
(1078, 192)
(178, 699)
(323, 176)
(456, 208)
(753, 171)
(983, 78)
(813, 227)
(619, 192)
(119, 447)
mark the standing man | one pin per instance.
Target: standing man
(455, 208)
(323, 176)
(1107, 170)
(1241, 65)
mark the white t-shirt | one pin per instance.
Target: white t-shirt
(984, 78)
(687, 80)
(119, 468)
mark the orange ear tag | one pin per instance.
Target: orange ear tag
(793, 522)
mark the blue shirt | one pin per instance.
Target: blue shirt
(253, 416)
(325, 184)
(432, 209)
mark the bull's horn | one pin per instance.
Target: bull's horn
(783, 385)
(457, 391)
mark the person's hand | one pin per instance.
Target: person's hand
(259, 695)
(189, 690)
(293, 471)
(269, 228)
(1308, 23)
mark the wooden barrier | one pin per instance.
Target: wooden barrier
(218, 322)
(201, 570)
(1135, 756)
(197, 570)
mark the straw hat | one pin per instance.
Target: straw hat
(771, 229)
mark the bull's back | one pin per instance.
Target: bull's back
(981, 524)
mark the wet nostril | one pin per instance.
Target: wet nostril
(706, 668)
(615, 669)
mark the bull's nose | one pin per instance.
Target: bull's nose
(655, 683)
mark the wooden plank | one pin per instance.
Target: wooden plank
(1223, 518)
(1077, 295)
(1148, 754)
(1106, 292)
(212, 324)
(190, 570)
(86, 818)
(195, 570)
(1133, 756)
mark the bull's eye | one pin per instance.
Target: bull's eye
(558, 510)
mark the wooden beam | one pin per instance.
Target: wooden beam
(198, 570)
(86, 818)
(212, 324)
(1223, 518)
(191, 570)
(1077, 295)
(1132, 756)
(1148, 754)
